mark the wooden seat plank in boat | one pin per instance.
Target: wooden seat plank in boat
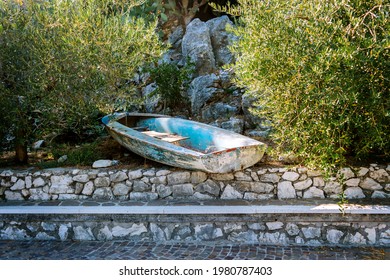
(171, 138)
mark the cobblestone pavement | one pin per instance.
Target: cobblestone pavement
(127, 250)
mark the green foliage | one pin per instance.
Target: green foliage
(65, 63)
(172, 83)
(320, 71)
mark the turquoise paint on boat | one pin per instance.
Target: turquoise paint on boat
(200, 146)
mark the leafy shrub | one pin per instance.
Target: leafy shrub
(172, 82)
(320, 71)
(69, 62)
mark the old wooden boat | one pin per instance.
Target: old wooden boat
(184, 143)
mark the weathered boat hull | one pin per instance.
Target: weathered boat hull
(226, 156)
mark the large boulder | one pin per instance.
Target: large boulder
(197, 46)
(221, 39)
(201, 90)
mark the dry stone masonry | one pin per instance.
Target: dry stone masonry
(259, 183)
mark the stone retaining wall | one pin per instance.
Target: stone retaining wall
(259, 183)
(272, 229)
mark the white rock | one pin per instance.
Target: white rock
(13, 195)
(292, 229)
(198, 177)
(61, 184)
(118, 177)
(28, 182)
(38, 144)
(354, 193)
(286, 190)
(103, 193)
(370, 184)
(179, 178)
(63, 232)
(380, 175)
(134, 230)
(83, 178)
(143, 196)
(222, 177)
(270, 178)
(162, 173)
(356, 239)
(354, 182)
(274, 225)
(182, 190)
(120, 189)
(39, 194)
(314, 192)
(81, 233)
(379, 194)
(334, 236)
(311, 232)
(135, 174)
(314, 173)
(303, 184)
(88, 188)
(346, 173)
(371, 235)
(290, 176)
(230, 193)
(102, 163)
(333, 187)
(318, 182)
(102, 182)
(62, 159)
(19, 185)
(241, 176)
(362, 171)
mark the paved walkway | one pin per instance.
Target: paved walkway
(126, 250)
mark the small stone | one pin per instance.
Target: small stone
(354, 193)
(61, 184)
(102, 163)
(198, 177)
(81, 178)
(255, 177)
(135, 174)
(39, 194)
(290, 176)
(119, 176)
(78, 188)
(380, 194)
(134, 230)
(346, 173)
(362, 171)
(303, 184)
(259, 187)
(179, 178)
(102, 182)
(292, 229)
(103, 193)
(19, 185)
(370, 184)
(209, 187)
(120, 189)
(164, 191)
(274, 225)
(313, 192)
(380, 175)
(270, 178)
(318, 182)
(13, 195)
(37, 145)
(140, 186)
(28, 182)
(149, 173)
(62, 159)
(354, 182)
(286, 190)
(182, 190)
(358, 238)
(371, 235)
(334, 236)
(88, 188)
(143, 196)
(333, 187)
(202, 196)
(311, 232)
(241, 176)
(159, 180)
(63, 232)
(230, 193)
(162, 173)
(81, 233)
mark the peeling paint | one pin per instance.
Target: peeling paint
(206, 148)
